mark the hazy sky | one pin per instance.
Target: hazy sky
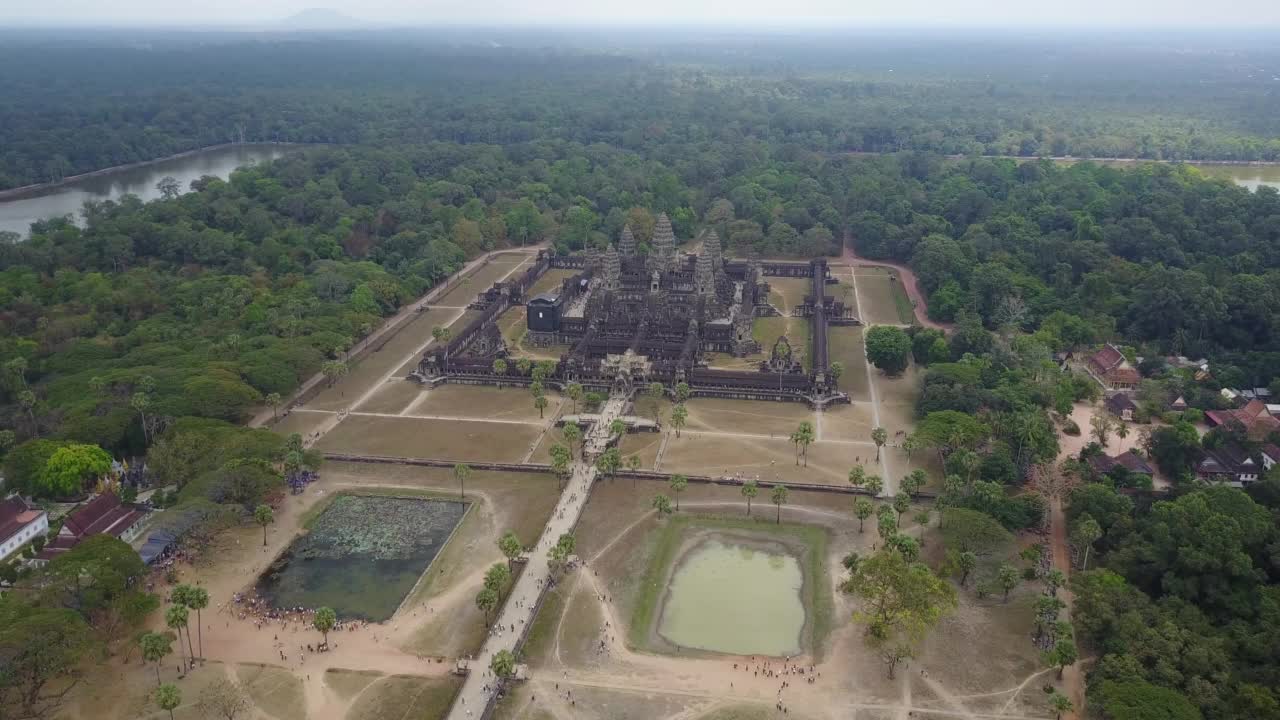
(1078, 13)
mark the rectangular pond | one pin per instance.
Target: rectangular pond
(361, 556)
(735, 598)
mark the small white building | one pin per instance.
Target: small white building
(19, 525)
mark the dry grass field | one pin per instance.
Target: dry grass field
(459, 441)
(575, 676)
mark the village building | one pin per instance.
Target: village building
(1270, 455)
(19, 525)
(104, 515)
(1112, 370)
(1131, 461)
(1254, 419)
(1122, 406)
(1178, 405)
(1230, 465)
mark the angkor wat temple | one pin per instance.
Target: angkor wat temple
(629, 319)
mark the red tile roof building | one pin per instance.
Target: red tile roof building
(19, 525)
(1253, 418)
(1109, 367)
(104, 515)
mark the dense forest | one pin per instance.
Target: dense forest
(100, 102)
(155, 329)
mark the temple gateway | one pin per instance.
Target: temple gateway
(631, 320)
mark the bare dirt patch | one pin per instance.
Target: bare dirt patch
(393, 397)
(443, 439)
(485, 403)
(773, 460)
(405, 696)
(465, 289)
(757, 417)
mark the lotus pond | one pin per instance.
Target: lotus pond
(362, 555)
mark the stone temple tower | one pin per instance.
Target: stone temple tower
(663, 255)
(711, 246)
(704, 278)
(627, 243)
(612, 269)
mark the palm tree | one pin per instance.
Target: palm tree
(909, 445)
(168, 697)
(1008, 576)
(198, 599)
(914, 480)
(802, 437)
(1085, 533)
(27, 400)
(879, 436)
(1060, 703)
(922, 519)
(486, 601)
(779, 497)
(510, 546)
(273, 399)
(678, 483)
(874, 484)
(678, 416)
(176, 619)
(901, 503)
(572, 433)
(574, 391)
(540, 402)
(155, 646)
(500, 369)
(617, 428)
(142, 403)
(662, 505)
(523, 365)
(461, 472)
(965, 563)
(857, 476)
(560, 457)
(264, 517)
(863, 509)
(749, 490)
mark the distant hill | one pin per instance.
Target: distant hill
(320, 19)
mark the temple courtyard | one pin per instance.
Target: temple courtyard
(701, 615)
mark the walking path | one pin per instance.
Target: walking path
(480, 687)
(890, 486)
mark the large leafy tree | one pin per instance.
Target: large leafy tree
(901, 601)
(888, 348)
(43, 648)
(70, 467)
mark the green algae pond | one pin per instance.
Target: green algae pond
(736, 598)
(361, 556)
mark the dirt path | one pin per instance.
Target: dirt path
(909, 283)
